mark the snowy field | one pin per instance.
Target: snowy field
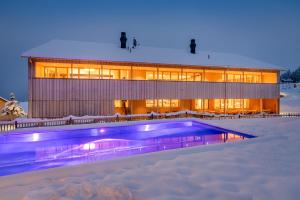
(291, 103)
(266, 167)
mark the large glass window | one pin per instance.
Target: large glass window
(144, 73)
(97, 71)
(252, 77)
(269, 77)
(214, 75)
(163, 103)
(219, 104)
(201, 104)
(234, 76)
(121, 103)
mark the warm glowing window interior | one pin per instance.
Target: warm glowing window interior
(231, 103)
(97, 71)
(214, 75)
(164, 103)
(201, 104)
(234, 76)
(252, 77)
(121, 103)
(269, 77)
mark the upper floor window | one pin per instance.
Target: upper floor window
(97, 71)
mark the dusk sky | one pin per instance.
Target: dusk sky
(267, 30)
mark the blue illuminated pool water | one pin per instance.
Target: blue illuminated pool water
(21, 152)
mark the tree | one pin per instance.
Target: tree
(286, 75)
(12, 108)
(295, 76)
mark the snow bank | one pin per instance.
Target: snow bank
(266, 167)
(291, 101)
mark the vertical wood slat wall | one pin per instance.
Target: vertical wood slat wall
(49, 98)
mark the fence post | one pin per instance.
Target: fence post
(16, 124)
(70, 120)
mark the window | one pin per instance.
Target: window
(214, 75)
(201, 104)
(39, 71)
(174, 76)
(50, 72)
(269, 77)
(94, 73)
(163, 103)
(252, 77)
(62, 72)
(105, 74)
(121, 103)
(174, 103)
(150, 103)
(114, 74)
(144, 73)
(234, 76)
(219, 104)
(84, 73)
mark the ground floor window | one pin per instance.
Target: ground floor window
(163, 103)
(201, 104)
(121, 103)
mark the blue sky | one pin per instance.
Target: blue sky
(268, 30)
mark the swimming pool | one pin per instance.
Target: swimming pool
(21, 152)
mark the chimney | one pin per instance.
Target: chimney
(123, 40)
(193, 46)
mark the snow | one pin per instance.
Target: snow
(291, 102)
(65, 49)
(266, 167)
(24, 105)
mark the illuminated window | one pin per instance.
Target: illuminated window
(94, 73)
(121, 103)
(84, 73)
(219, 104)
(163, 103)
(201, 104)
(50, 72)
(174, 76)
(150, 103)
(174, 103)
(269, 77)
(143, 73)
(198, 76)
(114, 74)
(252, 77)
(75, 73)
(124, 74)
(105, 74)
(237, 103)
(234, 76)
(39, 71)
(62, 72)
(214, 75)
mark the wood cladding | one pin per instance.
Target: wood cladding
(63, 97)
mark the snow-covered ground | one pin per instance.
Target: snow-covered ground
(290, 103)
(266, 167)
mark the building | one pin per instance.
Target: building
(2, 104)
(84, 78)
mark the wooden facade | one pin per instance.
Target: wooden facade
(59, 97)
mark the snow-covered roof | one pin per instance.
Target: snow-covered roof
(75, 50)
(3, 99)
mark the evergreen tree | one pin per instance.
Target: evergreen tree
(295, 76)
(286, 75)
